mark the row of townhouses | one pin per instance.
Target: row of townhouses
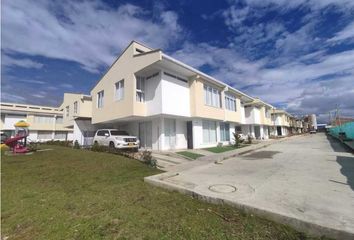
(46, 123)
(167, 104)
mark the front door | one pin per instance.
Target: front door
(190, 135)
(170, 133)
(257, 132)
(145, 134)
(279, 131)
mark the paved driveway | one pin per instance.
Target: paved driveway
(307, 182)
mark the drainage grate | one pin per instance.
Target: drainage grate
(222, 188)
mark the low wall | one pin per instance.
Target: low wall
(348, 128)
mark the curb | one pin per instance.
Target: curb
(297, 224)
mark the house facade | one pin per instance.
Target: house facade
(258, 121)
(166, 103)
(170, 105)
(282, 123)
(46, 123)
(77, 114)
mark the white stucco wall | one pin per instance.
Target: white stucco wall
(175, 96)
(153, 96)
(10, 120)
(252, 115)
(80, 126)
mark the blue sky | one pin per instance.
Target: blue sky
(298, 55)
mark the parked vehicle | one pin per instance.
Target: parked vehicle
(116, 139)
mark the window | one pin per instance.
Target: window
(102, 133)
(209, 131)
(224, 132)
(119, 133)
(75, 107)
(211, 96)
(139, 50)
(140, 89)
(59, 120)
(43, 119)
(60, 135)
(100, 96)
(230, 102)
(67, 109)
(119, 93)
(44, 135)
(267, 113)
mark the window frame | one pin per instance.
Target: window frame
(119, 92)
(230, 99)
(140, 92)
(211, 131)
(67, 111)
(224, 131)
(212, 96)
(76, 107)
(100, 95)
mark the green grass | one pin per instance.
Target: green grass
(221, 149)
(191, 155)
(78, 194)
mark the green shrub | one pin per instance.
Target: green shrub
(99, 148)
(147, 159)
(58, 143)
(76, 145)
(237, 138)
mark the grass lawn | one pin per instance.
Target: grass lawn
(78, 194)
(191, 155)
(224, 148)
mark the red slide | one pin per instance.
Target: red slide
(12, 143)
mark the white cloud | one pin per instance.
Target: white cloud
(346, 34)
(313, 4)
(87, 32)
(9, 61)
(296, 84)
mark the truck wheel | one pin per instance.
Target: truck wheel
(111, 145)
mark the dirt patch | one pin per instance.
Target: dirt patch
(262, 154)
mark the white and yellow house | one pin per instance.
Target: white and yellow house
(258, 120)
(281, 123)
(77, 115)
(166, 103)
(46, 123)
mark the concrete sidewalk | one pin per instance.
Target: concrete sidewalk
(306, 182)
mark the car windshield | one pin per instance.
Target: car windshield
(117, 133)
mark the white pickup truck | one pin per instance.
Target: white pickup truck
(116, 139)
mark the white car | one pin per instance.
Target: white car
(116, 139)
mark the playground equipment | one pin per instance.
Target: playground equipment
(18, 143)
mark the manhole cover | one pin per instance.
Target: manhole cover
(222, 188)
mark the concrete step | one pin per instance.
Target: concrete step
(165, 166)
(169, 158)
